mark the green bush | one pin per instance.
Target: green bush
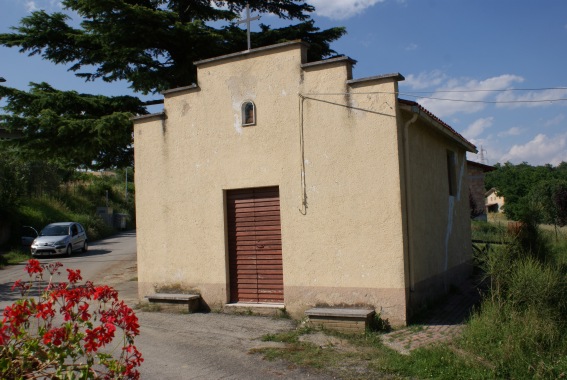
(519, 344)
(74, 200)
(533, 284)
(487, 231)
(520, 326)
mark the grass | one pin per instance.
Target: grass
(148, 306)
(518, 332)
(365, 357)
(489, 232)
(13, 257)
(518, 344)
(76, 200)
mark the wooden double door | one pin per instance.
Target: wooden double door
(255, 247)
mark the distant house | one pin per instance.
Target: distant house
(476, 172)
(285, 183)
(493, 201)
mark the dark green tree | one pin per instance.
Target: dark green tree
(516, 183)
(69, 128)
(21, 179)
(548, 199)
(152, 44)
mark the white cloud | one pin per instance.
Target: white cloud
(466, 95)
(48, 5)
(514, 131)
(531, 98)
(540, 150)
(555, 121)
(341, 9)
(425, 80)
(477, 127)
(411, 47)
(490, 148)
(31, 6)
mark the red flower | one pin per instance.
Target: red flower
(18, 313)
(105, 293)
(128, 320)
(91, 314)
(44, 310)
(55, 336)
(23, 286)
(83, 311)
(33, 266)
(133, 359)
(4, 334)
(52, 268)
(74, 276)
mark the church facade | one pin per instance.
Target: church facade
(277, 181)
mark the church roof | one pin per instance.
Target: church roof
(444, 127)
(483, 167)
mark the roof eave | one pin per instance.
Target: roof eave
(439, 126)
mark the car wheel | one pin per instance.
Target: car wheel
(69, 250)
(85, 246)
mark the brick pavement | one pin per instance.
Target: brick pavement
(440, 324)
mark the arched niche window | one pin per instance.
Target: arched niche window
(248, 113)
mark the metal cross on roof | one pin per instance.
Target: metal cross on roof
(247, 22)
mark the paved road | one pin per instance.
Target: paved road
(104, 258)
(176, 346)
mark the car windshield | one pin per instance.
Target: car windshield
(55, 231)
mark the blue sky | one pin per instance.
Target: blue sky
(501, 63)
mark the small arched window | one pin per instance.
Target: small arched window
(248, 113)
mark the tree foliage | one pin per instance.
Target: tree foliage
(151, 44)
(69, 128)
(522, 185)
(549, 198)
(21, 179)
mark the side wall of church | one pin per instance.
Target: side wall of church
(439, 219)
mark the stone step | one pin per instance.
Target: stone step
(347, 320)
(176, 301)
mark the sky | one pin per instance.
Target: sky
(494, 70)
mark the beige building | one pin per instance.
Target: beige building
(494, 202)
(277, 181)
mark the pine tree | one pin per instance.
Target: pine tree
(151, 44)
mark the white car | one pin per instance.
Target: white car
(60, 238)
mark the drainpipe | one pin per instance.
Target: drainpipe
(415, 111)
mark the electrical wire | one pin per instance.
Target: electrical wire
(487, 101)
(502, 90)
(416, 95)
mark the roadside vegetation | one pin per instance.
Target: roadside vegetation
(36, 193)
(521, 325)
(517, 331)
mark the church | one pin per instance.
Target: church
(277, 182)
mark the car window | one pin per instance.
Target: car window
(54, 231)
(74, 230)
(80, 228)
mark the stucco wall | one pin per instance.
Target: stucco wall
(439, 223)
(343, 248)
(334, 146)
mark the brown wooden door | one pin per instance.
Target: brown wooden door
(255, 248)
